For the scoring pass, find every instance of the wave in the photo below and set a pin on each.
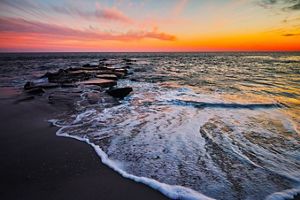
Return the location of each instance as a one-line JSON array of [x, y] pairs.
[[226, 105], [171, 191]]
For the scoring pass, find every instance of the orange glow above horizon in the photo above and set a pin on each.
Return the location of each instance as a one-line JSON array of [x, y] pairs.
[[180, 30]]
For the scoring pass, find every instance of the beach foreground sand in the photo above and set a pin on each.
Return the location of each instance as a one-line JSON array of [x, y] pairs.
[[37, 164]]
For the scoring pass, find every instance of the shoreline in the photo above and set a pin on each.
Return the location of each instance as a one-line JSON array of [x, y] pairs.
[[40, 165]]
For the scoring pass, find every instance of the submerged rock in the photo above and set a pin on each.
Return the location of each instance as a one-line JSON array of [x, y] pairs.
[[119, 92], [93, 97], [30, 85], [36, 90]]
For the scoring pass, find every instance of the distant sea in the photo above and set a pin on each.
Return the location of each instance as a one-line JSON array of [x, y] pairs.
[[197, 125]]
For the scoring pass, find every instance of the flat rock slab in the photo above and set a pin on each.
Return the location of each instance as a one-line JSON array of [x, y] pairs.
[[100, 82], [107, 76]]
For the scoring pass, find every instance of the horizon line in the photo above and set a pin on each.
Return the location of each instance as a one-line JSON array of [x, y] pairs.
[[237, 51]]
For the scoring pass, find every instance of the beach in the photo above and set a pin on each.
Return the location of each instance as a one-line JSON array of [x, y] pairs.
[[37, 164]]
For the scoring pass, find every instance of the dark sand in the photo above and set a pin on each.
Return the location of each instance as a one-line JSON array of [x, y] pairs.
[[37, 164]]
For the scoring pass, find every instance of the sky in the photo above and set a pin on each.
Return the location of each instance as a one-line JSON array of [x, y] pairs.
[[149, 25]]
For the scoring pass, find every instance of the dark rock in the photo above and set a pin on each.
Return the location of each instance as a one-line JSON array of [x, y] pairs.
[[48, 85], [67, 76], [67, 85], [119, 92], [89, 66], [28, 85], [134, 79], [103, 60], [127, 59], [86, 65], [31, 85], [35, 90]]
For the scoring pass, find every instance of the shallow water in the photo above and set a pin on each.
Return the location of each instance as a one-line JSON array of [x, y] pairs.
[[226, 125]]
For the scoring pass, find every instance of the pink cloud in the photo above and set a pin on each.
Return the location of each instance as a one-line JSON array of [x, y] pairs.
[[110, 14], [22, 26]]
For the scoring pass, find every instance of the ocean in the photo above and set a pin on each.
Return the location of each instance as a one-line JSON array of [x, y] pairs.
[[196, 126]]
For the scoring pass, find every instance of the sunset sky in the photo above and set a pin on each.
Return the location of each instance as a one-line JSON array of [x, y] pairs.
[[149, 25]]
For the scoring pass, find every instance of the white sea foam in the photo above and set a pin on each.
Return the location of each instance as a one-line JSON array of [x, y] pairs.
[[171, 191], [152, 141]]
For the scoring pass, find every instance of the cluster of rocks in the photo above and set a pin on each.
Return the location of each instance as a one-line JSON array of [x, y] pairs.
[[68, 85]]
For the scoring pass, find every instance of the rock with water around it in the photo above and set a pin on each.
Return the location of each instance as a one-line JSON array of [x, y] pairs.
[[119, 92], [100, 82], [67, 76]]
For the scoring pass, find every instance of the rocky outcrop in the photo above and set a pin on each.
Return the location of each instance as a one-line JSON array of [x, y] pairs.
[[86, 84]]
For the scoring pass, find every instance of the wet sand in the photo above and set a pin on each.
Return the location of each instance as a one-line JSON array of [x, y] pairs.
[[37, 164]]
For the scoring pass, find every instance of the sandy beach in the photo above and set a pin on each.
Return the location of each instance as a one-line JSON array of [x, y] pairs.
[[37, 164]]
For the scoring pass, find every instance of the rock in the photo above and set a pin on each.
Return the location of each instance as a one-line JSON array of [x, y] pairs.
[[103, 59], [100, 82], [119, 74], [119, 92], [35, 90], [67, 76], [48, 85], [67, 85], [121, 70], [93, 98], [89, 66], [31, 85], [28, 85], [64, 99], [127, 59], [107, 76], [134, 79], [86, 65]]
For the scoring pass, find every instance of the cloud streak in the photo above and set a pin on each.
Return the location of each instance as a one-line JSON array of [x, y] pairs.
[[110, 14], [31, 27]]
